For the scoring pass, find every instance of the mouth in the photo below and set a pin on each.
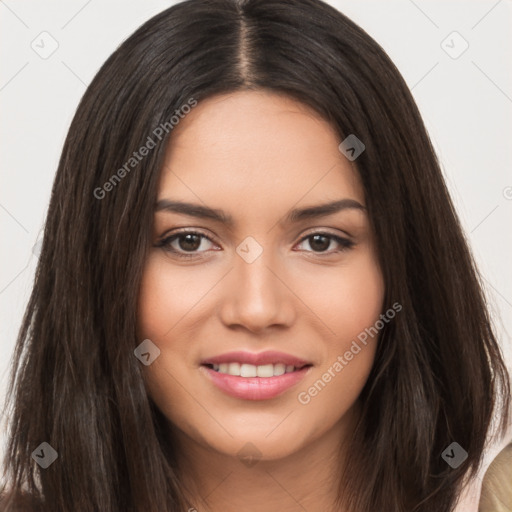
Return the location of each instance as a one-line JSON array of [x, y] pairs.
[[250, 376], [245, 370]]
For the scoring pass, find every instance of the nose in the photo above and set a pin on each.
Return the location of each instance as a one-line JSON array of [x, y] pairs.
[[257, 296]]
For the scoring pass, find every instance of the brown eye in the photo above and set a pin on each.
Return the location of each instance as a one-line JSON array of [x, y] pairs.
[[189, 241], [320, 242], [184, 244]]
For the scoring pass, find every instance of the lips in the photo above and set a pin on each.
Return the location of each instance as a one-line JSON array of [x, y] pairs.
[[260, 377], [259, 359]]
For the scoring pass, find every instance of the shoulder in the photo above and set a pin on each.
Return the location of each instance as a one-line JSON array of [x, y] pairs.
[[492, 480], [496, 489]]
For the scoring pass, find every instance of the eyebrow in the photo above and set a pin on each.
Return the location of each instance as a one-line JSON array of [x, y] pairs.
[[296, 215]]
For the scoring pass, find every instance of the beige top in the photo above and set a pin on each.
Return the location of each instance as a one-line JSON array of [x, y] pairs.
[[494, 491]]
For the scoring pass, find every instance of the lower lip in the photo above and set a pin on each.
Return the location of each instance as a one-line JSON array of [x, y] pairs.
[[255, 388]]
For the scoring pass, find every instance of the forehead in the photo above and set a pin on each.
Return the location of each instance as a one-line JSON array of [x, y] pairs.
[[256, 150]]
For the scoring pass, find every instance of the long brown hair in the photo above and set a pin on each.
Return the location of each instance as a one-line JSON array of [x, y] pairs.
[[75, 383]]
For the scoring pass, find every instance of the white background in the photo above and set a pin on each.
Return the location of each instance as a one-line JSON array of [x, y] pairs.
[[466, 104]]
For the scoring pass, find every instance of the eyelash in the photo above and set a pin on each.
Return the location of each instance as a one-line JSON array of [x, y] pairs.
[[165, 243]]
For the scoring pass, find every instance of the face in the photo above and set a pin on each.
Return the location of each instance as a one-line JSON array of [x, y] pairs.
[[251, 283]]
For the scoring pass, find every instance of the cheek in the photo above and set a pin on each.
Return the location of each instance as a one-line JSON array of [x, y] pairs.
[[360, 307], [168, 299], [361, 300], [351, 304], [154, 308], [165, 298], [347, 299]]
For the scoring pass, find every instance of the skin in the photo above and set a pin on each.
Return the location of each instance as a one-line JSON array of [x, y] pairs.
[[257, 155]]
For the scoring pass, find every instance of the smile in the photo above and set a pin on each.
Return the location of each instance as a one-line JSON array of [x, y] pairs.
[[254, 376], [250, 370]]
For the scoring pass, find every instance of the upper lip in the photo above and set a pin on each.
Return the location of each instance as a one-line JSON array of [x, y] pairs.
[[261, 358]]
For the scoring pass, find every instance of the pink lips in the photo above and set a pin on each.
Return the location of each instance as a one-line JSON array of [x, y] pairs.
[[268, 357], [256, 388]]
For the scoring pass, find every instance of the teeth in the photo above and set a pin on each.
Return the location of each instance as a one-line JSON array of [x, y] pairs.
[[250, 370], [279, 369], [269, 370], [233, 369]]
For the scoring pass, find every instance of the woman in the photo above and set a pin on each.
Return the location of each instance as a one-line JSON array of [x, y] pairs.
[[253, 291]]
